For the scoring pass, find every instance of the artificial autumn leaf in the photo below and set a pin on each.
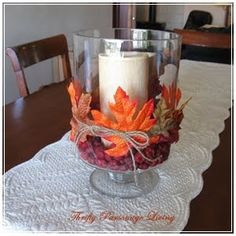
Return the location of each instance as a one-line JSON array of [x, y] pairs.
[[74, 91], [154, 139], [71, 92], [123, 111], [160, 114], [168, 115], [120, 149], [171, 96], [80, 109], [143, 121]]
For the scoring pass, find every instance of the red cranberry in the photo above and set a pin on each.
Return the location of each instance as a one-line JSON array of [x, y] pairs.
[[98, 149], [128, 160], [130, 166], [138, 158], [158, 152], [143, 166], [101, 163], [100, 155], [119, 158], [83, 146], [122, 161], [113, 163], [123, 168], [149, 152], [89, 149], [107, 157], [91, 160], [99, 152], [165, 149]]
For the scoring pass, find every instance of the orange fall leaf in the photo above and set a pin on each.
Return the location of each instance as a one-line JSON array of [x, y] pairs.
[[123, 111], [80, 107], [171, 95]]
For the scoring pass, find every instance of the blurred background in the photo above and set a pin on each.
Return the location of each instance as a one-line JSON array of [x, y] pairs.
[[25, 23]]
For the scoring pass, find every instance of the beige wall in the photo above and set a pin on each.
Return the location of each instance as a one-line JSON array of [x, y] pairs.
[[24, 23], [172, 15]]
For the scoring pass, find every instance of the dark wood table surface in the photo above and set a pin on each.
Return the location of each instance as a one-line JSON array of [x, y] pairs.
[[43, 118]]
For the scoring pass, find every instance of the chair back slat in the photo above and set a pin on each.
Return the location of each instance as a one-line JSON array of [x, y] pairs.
[[205, 39], [25, 55]]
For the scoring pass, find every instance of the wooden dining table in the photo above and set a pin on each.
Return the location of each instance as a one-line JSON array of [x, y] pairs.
[[42, 118]]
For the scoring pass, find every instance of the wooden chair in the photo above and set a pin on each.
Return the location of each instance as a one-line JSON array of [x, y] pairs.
[[205, 39], [28, 54]]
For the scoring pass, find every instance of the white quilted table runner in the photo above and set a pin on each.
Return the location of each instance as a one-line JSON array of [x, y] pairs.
[[42, 194]]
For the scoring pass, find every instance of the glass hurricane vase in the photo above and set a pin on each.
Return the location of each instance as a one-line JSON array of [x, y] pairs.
[[127, 115]]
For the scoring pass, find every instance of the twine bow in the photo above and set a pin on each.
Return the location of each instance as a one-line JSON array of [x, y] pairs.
[[128, 137]]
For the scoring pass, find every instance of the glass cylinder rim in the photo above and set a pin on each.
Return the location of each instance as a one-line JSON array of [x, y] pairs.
[[81, 33]]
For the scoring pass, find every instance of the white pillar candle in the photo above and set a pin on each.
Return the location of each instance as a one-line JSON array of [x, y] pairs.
[[130, 71]]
